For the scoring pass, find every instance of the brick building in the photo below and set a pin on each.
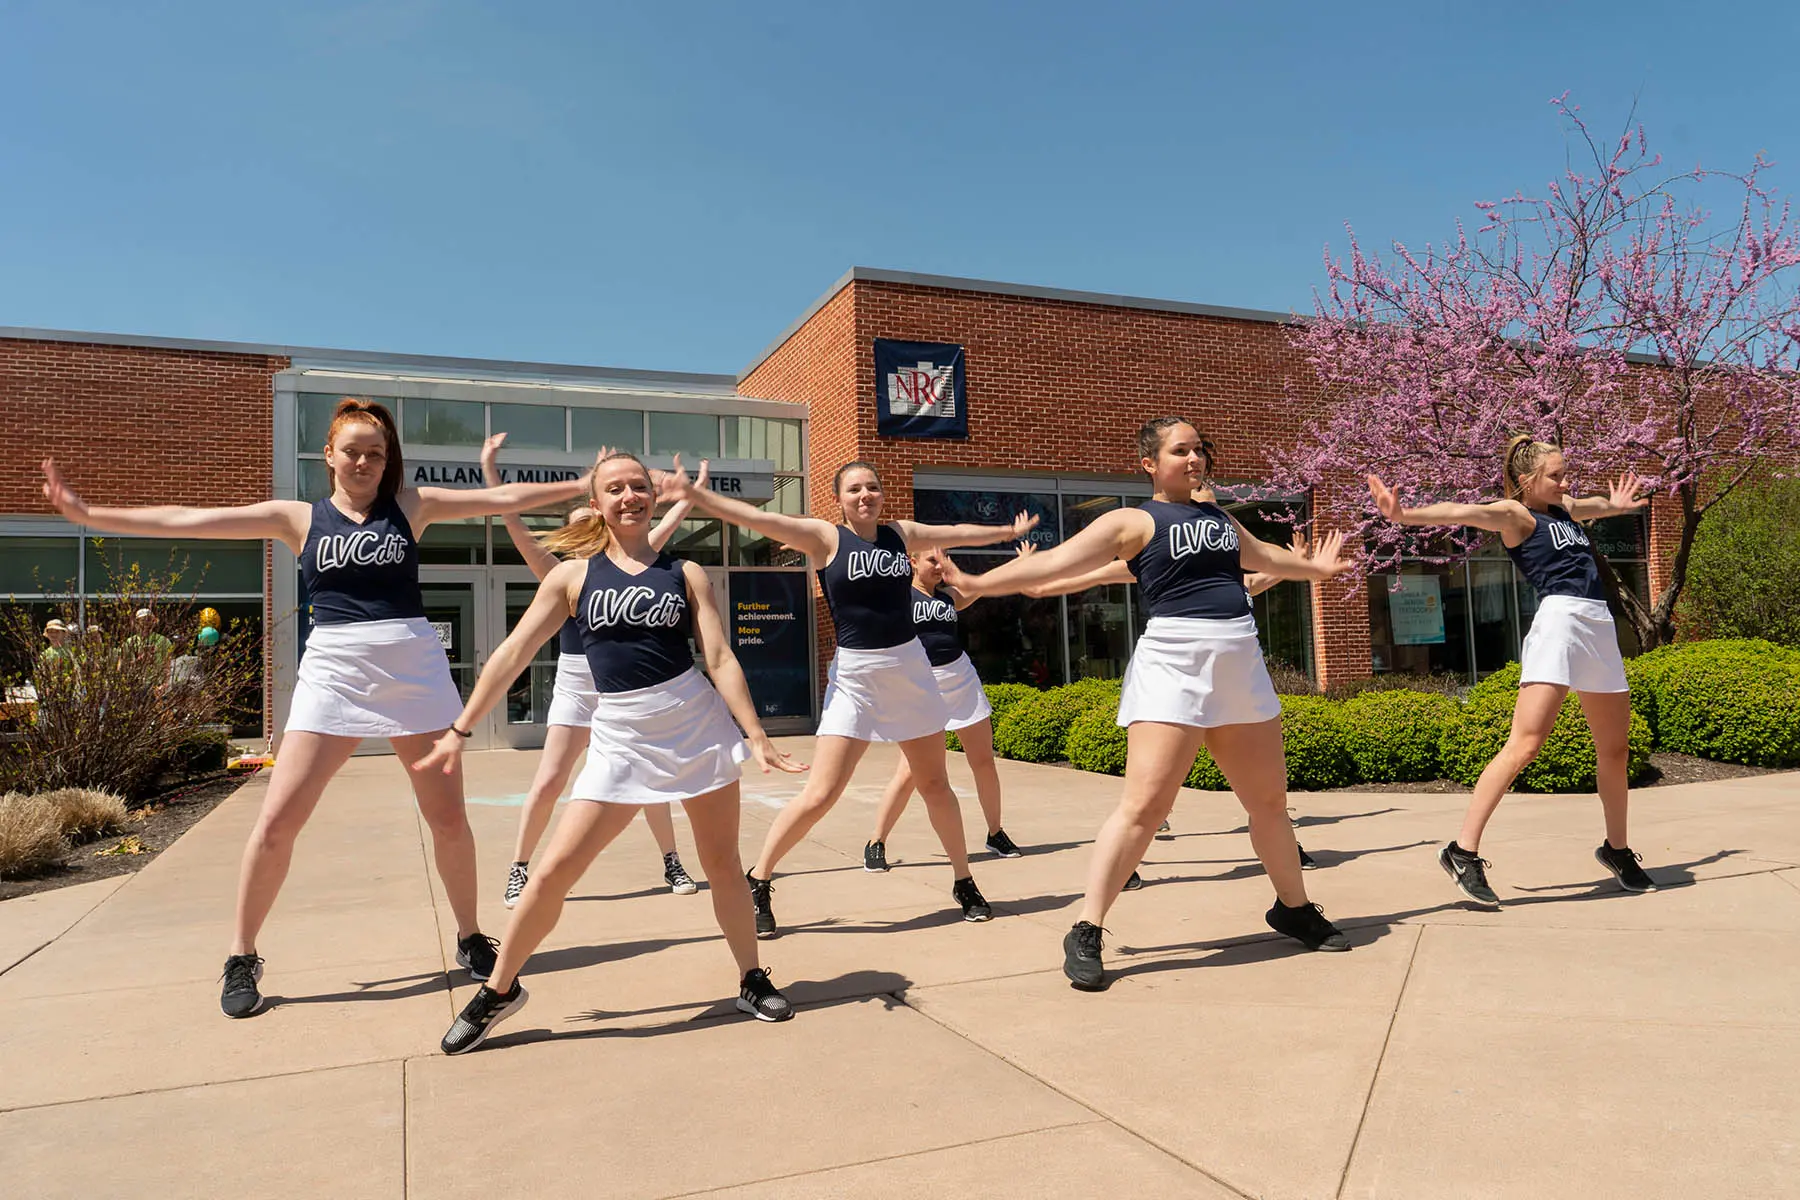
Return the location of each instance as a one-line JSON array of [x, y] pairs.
[[1057, 384]]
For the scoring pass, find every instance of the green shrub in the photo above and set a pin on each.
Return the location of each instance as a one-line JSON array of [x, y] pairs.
[[1437, 685], [1565, 764], [1290, 680], [1503, 683], [1743, 575], [1205, 774], [1034, 730], [1651, 672], [1393, 735], [1095, 741], [1315, 738], [1001, 696], [1731, 706]]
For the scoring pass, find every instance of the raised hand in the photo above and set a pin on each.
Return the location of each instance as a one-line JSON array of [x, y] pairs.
[[672, 486], [701, 479], [954, 576], [1385, 500], [490, 459], [445, 754], [1627, 493], [61, 496], [1023, 524], [1025, 549], [771, 757], [1327, 554]]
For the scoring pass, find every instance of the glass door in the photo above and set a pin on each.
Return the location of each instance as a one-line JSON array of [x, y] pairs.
[[519, 720], [456, 605]]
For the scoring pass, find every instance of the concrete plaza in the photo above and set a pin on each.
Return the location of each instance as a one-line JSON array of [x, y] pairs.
[[1581, 1042]]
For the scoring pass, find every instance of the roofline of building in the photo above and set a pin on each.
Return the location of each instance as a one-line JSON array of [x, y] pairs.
[[318, 356], [992, 287]]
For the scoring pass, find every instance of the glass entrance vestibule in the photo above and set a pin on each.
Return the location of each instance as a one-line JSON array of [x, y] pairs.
[[475, 582]]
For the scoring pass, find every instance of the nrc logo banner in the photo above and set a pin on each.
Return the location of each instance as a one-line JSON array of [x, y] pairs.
[[920, 390]]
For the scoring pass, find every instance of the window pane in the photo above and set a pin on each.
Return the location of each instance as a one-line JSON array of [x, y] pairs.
[[1418, 621], [1099, 642], [752, 549], [1269, 522], [702, 540], [200, 566], [505, 553], [442, 423], [528, 426], [1490, 601], [528, 697], [1618, 537], [30, 565], [1284, 622], [314, 480], [459, 542], [989, 508], [1078, 512], [615, 428], [776, 439], [1012, 639], [692, 434], [314, 410]]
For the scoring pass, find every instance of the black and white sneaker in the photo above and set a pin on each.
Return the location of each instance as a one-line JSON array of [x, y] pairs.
[[676, 876], [1081, 956], [239, 997], [1624, 866], [1307, 925], [1468, 871], [1307, 861], [974, 906], [516, 878], [1164, 827], [1002, 845], [1134, 883], [480, 1016], [875, 856], [761, 905], [476, 954], [761, 998]]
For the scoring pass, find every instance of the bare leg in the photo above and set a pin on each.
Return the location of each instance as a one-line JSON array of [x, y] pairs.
[[564, 746], [1533, 717], [926, 757], [585, 830], [440, 799], [1251, 759], [978, 749], [1158, 758], [714, 819], [306, 764], [834, 761], [662, 826], [1609, 720], [893, 800]]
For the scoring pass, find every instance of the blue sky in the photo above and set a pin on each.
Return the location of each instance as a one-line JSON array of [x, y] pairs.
[[667, 185]]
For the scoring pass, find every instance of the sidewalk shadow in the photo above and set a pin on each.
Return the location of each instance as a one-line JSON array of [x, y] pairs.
[[640, 894], [422, 984], [1250, 868], [1666, 876]]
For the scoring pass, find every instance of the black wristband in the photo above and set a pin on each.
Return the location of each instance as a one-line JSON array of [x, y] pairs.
[[462, 733]]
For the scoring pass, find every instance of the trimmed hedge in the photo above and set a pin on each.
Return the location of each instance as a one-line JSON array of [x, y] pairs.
[[1394, 735], [1034, 730], [1315, 738], [1732, 706], [1095, 741], [1001, 696], [1565, 764]]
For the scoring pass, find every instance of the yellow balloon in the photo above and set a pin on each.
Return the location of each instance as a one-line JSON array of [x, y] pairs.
[[209, 618]]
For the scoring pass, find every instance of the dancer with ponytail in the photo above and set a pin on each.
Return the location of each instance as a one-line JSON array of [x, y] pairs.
[[373, 668], [934, 612], [1572, 644], [572, 703], [661, 733], [881, 686], [1196, 678]]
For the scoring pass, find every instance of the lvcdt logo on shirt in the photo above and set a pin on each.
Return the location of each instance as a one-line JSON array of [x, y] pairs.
[[1196, 537], [364, 548], [640, 606], [932, 611], [1564, 534], [867, 564]]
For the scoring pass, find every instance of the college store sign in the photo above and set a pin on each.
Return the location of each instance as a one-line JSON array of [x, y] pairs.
[[921, 390], [740, 478]]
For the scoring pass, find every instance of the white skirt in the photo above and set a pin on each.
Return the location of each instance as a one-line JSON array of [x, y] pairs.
[[572, 700], [963, 694], [673, 741], [882, 695], [1573, 642], [1198, 671], [374, 679]]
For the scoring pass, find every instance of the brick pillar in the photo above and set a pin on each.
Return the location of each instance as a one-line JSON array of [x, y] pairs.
[[1340, 630]]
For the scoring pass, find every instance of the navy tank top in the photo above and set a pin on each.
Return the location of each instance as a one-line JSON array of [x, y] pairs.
[[868, 588], [934, 620], [1557, 559], [568, 638], [1189, 567], [634, 628], [366, 572]]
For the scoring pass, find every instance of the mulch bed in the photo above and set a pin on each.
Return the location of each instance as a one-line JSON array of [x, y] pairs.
[[156, 824]]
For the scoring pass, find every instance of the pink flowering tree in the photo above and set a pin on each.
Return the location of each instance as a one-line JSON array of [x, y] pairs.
[[1614, 315]]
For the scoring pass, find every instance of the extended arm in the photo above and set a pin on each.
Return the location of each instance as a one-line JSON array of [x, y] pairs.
[[947, 537], [1625, 496], [1118, 534], [727, 675], [284, 521], [1503, 517], [809, 535], [540, 560], [1113, 572], [1260, 558]]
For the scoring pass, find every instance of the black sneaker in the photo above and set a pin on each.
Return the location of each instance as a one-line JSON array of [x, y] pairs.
[[1164, 827], [1081, 956], [875, 856], [676, 876], [1002, 845], [1624, 866], [476, 954], [1134, 883], [761, 999], [239, 997], [1306, 925], [974, 906], [1468, 872], [1307, 861], [759, 903], [480, 1015], [516, 879]]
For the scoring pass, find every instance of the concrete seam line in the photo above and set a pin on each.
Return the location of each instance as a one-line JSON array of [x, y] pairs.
[[1076, 1100], [204, 1083], [437, 922], [1380, 1060]]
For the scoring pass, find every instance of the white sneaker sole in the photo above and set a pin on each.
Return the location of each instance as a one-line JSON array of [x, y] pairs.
[[1492, 905], [744, 1006], [1623, 886], [510, 901], [504, 1014], [684, 889], [462, 960], [257, 1007]]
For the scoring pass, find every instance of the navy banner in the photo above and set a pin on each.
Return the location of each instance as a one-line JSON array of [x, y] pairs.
[[772, 637], [920, 390]]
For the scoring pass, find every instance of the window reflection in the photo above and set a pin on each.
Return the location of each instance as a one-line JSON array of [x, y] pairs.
[[1012, 639]]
